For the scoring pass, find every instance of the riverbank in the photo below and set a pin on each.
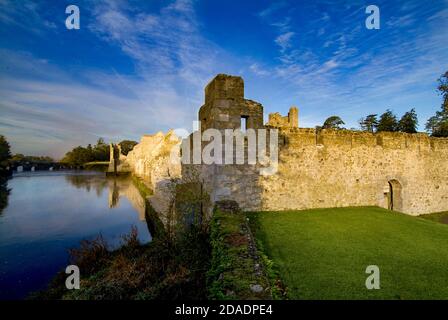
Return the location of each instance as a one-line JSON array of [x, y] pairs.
[[170, 267], [4, 192], [192, 264], [165, 269]]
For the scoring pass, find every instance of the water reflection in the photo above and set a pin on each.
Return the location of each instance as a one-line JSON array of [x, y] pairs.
[[118, 187], [129, 190], [88, 182], [47, 213]]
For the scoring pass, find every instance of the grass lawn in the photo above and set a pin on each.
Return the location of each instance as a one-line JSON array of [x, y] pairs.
[[323, 253]]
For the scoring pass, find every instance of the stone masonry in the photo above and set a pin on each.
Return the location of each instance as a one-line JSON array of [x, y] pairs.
[[316, 169], [277, 120], [325, 168]]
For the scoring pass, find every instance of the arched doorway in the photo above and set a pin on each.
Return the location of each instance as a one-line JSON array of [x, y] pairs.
[[394, 197]]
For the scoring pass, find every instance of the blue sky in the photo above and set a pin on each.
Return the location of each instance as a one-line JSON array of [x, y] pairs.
[[137, 67]]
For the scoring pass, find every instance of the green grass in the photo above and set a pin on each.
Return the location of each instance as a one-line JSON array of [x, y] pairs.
[[96, 165], [323, 253], [104, 163]]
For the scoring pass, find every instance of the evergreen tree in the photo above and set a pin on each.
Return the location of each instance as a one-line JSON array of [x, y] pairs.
[[369, 123], [443, 90], [409, 122], [388, 122], [437, 125]]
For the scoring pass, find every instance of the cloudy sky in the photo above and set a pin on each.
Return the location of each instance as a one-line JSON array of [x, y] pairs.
[[137, 67]]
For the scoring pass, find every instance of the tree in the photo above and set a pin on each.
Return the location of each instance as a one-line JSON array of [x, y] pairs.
[[18, 157], [443, 90], [369, 123], [81, 155], [127, 145], [388, 122], [5, 152], [78, 156], [409, 122], [101, 151], [432, 125], [333, 122], [100, 142], [437, 125]]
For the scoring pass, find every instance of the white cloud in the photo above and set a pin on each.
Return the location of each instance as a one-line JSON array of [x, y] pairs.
[[284, 40], [25, 14], [71, 113], [402, 21], [164, 44], [353, 73], [46, 109], [257, 70], [271, 9], [329, 65]]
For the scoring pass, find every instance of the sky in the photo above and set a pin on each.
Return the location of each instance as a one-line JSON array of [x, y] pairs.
[[139, 67]]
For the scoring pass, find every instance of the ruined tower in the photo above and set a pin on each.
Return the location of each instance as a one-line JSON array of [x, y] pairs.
[[293, 117], [226, 108], [289, 121]]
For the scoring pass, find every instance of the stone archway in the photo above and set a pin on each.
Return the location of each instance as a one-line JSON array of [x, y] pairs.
[[394, 196]]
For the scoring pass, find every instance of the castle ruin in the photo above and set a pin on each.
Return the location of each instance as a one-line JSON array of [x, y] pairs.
[[318, 168]]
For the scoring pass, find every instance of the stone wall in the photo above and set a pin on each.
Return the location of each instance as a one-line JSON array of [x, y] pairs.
[[152, 159], [326, 168], [291, 120], [316, 169], [334, 168], [117, 160], [240, 183]]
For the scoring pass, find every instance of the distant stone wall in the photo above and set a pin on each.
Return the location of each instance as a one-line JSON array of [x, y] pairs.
[[291, 120], [117, 160], [156, 160], [151, 159]]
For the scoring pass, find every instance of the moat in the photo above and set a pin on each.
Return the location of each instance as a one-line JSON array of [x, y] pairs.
[[50, 212]]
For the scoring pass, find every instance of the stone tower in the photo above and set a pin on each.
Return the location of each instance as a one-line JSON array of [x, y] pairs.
[[293, 117], [289, 121], [225, 106]]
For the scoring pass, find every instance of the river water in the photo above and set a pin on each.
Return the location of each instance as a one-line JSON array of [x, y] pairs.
[[47, 213]]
